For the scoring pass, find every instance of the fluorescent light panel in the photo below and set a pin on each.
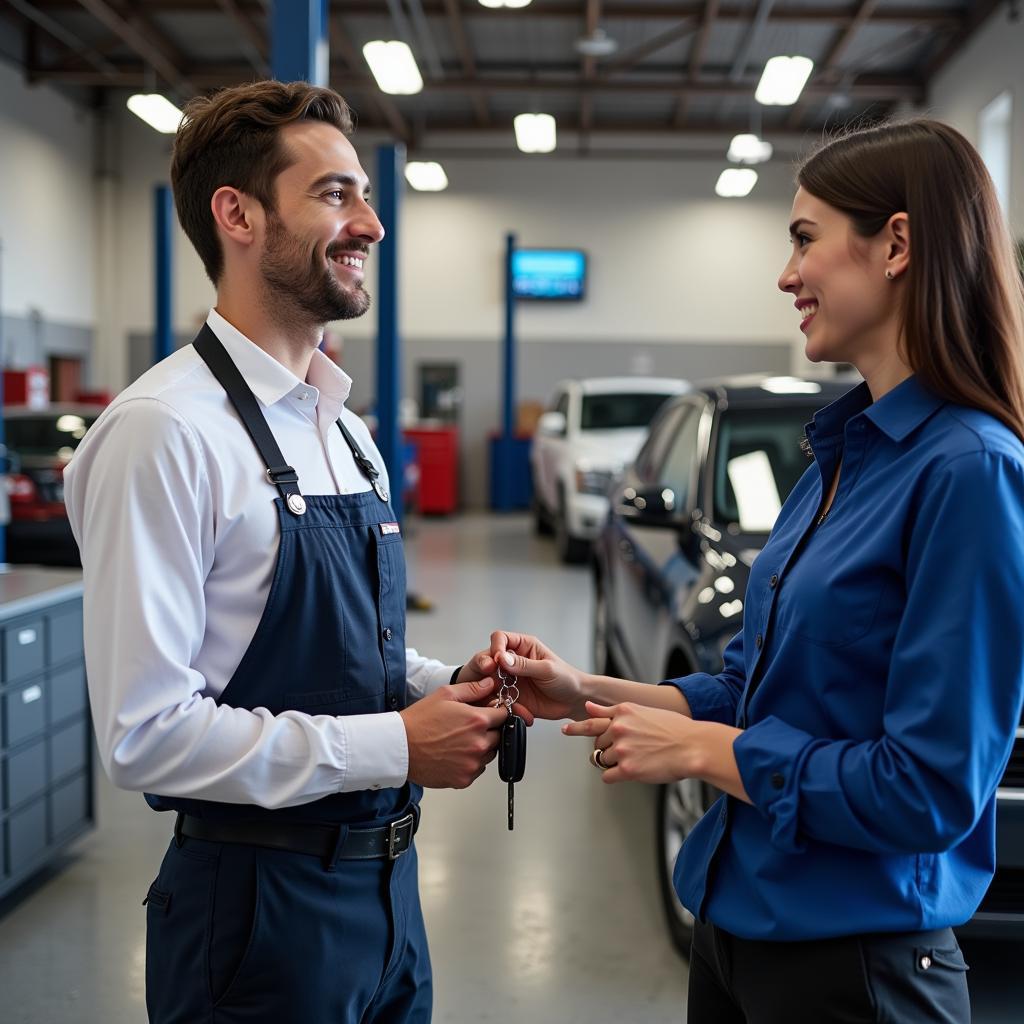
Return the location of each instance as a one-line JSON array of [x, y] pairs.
[[156, 110], [783, 80], [504, 3], [394, 67], [749, 149], [535, 133], [736, 182], [426, 176]]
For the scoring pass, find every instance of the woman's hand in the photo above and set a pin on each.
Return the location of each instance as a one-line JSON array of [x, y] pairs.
[[549, 687], [642, 744]]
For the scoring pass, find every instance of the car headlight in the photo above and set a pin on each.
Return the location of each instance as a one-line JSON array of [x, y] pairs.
[[591, 479]]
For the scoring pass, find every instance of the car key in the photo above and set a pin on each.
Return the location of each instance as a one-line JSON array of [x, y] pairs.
[[512, 743]]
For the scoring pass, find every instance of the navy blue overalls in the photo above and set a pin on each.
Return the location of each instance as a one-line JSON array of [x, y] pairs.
[[248, 929]]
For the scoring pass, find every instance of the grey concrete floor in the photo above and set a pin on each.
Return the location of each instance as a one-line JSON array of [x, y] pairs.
[[555, 923]]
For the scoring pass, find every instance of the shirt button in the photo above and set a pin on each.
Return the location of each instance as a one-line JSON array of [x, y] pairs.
[[778, 780], [393, 702], [759, 641], [387, 633], [774, 581]]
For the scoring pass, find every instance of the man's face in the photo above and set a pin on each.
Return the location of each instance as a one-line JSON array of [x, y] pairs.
[[320, 235]]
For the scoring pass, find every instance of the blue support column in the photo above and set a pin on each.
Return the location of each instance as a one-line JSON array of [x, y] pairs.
[[389, 185], [504, 461], [298, 49], [164, 234]]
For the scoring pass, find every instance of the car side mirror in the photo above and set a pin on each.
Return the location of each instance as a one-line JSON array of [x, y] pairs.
[[652, 506], [552, 424]]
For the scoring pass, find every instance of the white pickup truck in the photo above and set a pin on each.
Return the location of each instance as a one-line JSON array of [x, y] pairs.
[[593, 429]]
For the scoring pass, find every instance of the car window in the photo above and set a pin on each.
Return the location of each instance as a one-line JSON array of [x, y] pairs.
[[618, 411], [682, 457], [663, 428], [758, 461], [46, 434]]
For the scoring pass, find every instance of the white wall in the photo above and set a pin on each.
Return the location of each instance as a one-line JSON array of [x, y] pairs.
[[46, 204], [991, 63]]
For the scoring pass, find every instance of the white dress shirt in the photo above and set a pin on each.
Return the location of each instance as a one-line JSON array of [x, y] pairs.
[[174, 515]]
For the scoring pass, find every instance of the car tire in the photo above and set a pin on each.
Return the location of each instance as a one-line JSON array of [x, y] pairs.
[[604, 660], [541, 520], [680, 806], [571, 550]]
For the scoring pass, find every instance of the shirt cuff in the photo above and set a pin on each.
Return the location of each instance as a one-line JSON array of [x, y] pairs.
[[377, 751], [709, 699], [770, 757]]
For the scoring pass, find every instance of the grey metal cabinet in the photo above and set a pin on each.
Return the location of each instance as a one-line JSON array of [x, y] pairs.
[[46, 750]]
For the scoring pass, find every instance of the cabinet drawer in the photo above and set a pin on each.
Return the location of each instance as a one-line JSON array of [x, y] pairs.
[[69, 805], [24, 712], [64, 631], [25, 774], [24, 652], [26, 836], [69, 749], [67, 692]]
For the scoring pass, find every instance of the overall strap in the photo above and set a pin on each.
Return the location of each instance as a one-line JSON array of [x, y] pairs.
[[368, 469], [281, 475]]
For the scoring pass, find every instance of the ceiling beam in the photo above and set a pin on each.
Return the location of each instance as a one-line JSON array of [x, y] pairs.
[[569, 10], [653, 45], [978, 14], [592, 15], [707, 21], [865, 87], [254, 39], [359, 79], [137, 38], [465, 52], [827, 70]]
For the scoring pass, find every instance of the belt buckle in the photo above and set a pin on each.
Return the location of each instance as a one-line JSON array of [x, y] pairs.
[[392, 840]]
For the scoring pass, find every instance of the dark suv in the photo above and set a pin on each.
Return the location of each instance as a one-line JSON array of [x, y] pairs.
[[686, 522]]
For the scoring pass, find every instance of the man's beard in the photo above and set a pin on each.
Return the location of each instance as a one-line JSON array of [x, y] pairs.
[[308, 289]]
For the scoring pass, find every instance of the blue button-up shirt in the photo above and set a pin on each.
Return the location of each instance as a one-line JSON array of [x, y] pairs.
[[878, 677]]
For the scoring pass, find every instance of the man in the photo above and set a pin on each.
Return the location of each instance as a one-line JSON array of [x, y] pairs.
[[245, 604]]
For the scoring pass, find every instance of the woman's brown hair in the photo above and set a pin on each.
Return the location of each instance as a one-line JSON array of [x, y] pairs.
[[232, 138], [963, 319]]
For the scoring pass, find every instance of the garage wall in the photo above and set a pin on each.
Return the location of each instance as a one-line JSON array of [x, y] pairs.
[[47, 227], [990, 64]]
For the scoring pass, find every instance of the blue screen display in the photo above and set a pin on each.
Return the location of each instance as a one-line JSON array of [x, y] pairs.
[[549, 273]]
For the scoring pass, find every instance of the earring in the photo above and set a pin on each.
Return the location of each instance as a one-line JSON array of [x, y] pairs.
[[889, 275]]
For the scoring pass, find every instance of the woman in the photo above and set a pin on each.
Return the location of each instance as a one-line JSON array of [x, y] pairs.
[[867, 709]]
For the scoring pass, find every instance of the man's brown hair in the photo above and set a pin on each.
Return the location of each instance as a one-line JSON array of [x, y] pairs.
[[233, 138]]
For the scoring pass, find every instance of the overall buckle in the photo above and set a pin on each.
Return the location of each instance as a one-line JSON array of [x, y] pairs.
[[406, 822]]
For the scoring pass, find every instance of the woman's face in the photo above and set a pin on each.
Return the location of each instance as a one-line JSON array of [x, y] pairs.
[[848, 308]]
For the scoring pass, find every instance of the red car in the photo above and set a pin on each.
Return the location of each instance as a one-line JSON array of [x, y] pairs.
[[40, 443]]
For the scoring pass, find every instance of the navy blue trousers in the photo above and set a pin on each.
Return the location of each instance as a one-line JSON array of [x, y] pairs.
[[239, 933], [905, 978]]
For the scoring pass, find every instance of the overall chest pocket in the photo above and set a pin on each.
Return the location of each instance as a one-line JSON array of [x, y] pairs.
[[830, 599], [390, 562]]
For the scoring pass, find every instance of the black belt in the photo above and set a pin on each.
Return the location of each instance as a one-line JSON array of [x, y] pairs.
[[330, 843]]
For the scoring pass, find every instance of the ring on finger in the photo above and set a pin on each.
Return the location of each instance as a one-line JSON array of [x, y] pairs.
[[595, 759]]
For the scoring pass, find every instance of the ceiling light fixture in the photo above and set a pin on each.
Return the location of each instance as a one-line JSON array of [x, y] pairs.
[[426, 176], [749, 149], [156, 110], [736, 182], [597, 44], [535, 133], [394, 67], [504, 3], [783, 80]]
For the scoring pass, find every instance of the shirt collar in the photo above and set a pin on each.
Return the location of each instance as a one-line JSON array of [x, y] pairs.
[[897, 413], [269, 380]]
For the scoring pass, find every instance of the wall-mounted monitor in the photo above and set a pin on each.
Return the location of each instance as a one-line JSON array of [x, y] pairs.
[[549, 274]]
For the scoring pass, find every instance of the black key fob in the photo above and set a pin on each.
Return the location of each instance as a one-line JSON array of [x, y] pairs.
[[512, 750]]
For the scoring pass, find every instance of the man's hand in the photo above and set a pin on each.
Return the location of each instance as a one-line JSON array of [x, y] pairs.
[[549, 687], [450, 741]]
